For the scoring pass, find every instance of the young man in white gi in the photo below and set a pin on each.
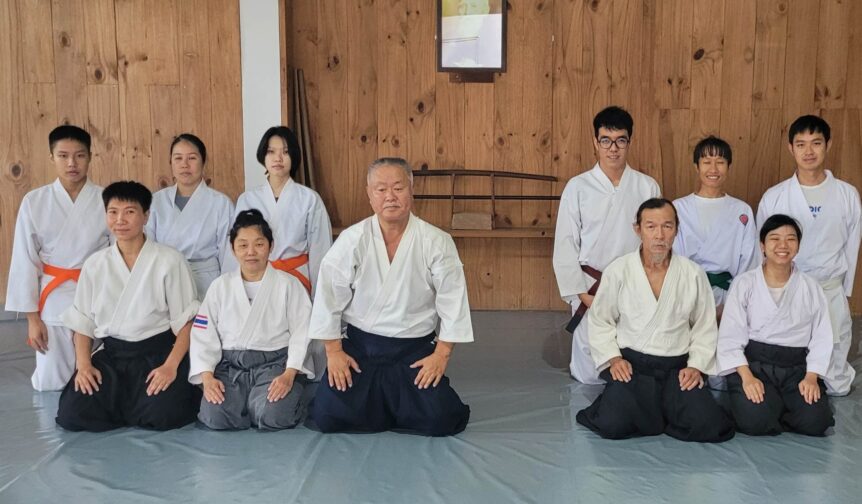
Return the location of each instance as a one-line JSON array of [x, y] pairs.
[[392, 278], [59, 225], [830, 215], [716, 230], [594, 227]]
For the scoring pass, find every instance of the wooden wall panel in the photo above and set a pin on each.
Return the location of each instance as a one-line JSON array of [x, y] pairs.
[[800, 70], [195, 74], [769, 53], [134, 73], [137, 71], [736, 87], [227, 164], [854, 56], [832, 47], [101, 42], [70, 61], [707, 49], [104, 127], [332, 64], [672, 65], [361, 102], [38, 118], [17, 169], [741, 69], [36, 38]]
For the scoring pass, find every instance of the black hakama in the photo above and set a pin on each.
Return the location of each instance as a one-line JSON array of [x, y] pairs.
[[783, 407], [383, 396], [652, 403], [122, 398]]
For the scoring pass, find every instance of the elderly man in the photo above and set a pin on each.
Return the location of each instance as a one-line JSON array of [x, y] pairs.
[[392, 278], [653, 336]]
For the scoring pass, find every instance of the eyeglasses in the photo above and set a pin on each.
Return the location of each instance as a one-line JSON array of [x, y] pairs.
[[622, 143]]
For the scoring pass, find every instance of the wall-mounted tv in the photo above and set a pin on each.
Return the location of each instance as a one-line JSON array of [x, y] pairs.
[[471, 35]]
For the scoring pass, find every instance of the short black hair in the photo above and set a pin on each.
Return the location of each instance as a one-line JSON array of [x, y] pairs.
[[713, 146], [613, 118], [294, 151], [192, 139], [653, 204], [776, 221], [69, 132], [250, 218], [809, 124], [128, 190]]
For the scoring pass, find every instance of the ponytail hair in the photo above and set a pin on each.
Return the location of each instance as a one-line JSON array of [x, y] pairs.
[[250, 218]]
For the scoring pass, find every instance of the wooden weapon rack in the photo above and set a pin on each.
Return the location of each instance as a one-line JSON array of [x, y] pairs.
[[487, 229]]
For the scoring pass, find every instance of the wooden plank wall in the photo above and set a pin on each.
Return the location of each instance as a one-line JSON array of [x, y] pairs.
[[134, 73], [742, 69]]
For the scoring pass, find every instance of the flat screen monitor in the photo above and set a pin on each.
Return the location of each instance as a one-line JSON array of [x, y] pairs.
[[471, 35]]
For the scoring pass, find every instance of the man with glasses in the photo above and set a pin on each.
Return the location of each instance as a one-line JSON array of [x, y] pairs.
[[594, 227]]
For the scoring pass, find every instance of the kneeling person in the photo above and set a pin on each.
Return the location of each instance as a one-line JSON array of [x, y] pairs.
[[775, 341], [250, 339], [653, 336], [137, 298], [391, 278]]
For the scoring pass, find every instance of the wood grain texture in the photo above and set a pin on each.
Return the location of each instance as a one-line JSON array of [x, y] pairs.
[[131, 67], [331, 62], [134, 73], [36, 38], [741, 69]]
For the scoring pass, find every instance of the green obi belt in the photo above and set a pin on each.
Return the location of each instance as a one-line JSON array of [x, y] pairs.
[[720, 280]]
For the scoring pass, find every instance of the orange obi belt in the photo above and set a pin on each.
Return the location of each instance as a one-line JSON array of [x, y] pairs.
[[290, 265], [61, 276]]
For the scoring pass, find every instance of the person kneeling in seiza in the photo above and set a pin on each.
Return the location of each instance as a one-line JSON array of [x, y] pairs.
[[653, 336], [392, 278], [137, 298], [250, 339], [775, 341]]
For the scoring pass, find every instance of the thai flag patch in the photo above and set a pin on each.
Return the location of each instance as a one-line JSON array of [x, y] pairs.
[[200, 322]]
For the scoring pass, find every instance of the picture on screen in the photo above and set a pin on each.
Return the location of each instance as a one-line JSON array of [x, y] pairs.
[[471, 35]]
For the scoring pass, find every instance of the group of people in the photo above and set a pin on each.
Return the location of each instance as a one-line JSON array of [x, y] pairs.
[[202, 310], [245, 316], [673, 298]]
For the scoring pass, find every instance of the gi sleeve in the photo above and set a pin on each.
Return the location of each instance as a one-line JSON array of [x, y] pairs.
[[450, 285], [81, 315], [603, 317], [704, 333], [25, 271], [749, 254], [854, 235], [733, 333], [567, 247], [820, 345], [225, 253], [319, 232], [205, 349], [181, 294], [298, 312], [334, 290]]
